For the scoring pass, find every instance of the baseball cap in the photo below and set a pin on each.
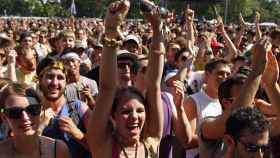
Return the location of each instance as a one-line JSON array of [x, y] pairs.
[[133, 38]]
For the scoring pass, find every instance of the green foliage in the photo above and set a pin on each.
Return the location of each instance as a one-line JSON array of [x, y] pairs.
[[269, 9]]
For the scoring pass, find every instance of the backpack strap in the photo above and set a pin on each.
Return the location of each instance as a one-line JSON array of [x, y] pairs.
[[73, 111]]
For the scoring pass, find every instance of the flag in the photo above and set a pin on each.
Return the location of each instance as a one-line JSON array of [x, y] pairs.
[[73, 10]]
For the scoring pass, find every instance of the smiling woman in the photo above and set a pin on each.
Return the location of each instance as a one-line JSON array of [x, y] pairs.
[[21, 110]]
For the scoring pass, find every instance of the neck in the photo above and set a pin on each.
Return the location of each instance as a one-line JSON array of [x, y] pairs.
[[124, 83], [32, 141], [211, 92], [72, 78], [55, 105]]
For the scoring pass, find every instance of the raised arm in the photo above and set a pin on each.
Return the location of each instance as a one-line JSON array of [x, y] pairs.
[[269, 81], [232, 49], [98, 133], [181, 124], [240, 33], [154, 74], [214, 129], [257, 25], [190, 27]]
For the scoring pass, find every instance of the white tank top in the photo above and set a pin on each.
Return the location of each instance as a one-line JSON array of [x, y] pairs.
[[205, 107]]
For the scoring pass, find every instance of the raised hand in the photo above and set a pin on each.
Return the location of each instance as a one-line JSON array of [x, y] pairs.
[[271, 72], [177, 91], [189, 14], [242, 21], [115, 15], [154, 16], [257, 18], [220, 24], [259, 55]]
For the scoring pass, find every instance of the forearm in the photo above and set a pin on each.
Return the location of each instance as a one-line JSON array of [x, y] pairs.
[[273, 92], [182, 127], [190, 35], [154, 74], [238, 38], [230, 45], [249, 90], [12, 72], [258, 31]]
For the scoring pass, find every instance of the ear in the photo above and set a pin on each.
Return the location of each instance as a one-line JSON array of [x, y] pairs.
[[230, 145]]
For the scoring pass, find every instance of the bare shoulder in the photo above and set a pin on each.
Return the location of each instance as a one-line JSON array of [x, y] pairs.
[[61, 148], [62, 151]]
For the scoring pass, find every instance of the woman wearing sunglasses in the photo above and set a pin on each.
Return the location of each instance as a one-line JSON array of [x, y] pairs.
[[21, 109]]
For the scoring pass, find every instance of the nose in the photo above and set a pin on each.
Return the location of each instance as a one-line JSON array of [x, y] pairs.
[[133, 115], [54, 81], [24, 115], [259, 154]]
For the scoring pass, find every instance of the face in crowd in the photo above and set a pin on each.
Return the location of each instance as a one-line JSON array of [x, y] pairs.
[[129, 115], [21, 109], [216, 73], [247, 133], [52, 84], [125, 67], [27, 60], [132, 46]]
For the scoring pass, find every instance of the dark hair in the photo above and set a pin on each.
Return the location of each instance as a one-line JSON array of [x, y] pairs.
[[212, 64], [239, 58], [226, 86], [246, 119], [19, 89], [275, 34], [48, 61], [127, 92], [25, 34]]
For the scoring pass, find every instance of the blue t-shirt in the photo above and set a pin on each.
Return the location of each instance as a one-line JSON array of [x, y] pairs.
[[75, 148]]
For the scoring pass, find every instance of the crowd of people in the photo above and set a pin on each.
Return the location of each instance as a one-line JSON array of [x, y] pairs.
[[117, 88]]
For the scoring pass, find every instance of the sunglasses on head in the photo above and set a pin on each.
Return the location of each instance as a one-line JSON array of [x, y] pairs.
[[123, 65], [16, 112], [252, 148]]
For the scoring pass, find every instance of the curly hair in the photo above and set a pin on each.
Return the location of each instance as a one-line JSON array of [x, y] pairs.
[[246, 119]]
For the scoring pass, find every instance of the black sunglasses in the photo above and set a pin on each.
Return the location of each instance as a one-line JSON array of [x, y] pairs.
[[16, 112], [184, 58], [252, 148], [123, 65]]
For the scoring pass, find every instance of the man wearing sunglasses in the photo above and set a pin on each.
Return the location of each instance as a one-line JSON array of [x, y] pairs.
[[127, 68], [246, 134]]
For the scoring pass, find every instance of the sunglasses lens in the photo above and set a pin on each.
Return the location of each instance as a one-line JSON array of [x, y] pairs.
[[14, 113], [144, 69], [254, 148], [34, 110], [123, 65], [184, 58]]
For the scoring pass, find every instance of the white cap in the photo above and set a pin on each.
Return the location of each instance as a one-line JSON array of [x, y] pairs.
[[133, 38]]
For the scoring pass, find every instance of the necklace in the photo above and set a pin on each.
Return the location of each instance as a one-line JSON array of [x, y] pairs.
[[125, 154], [14, 150]]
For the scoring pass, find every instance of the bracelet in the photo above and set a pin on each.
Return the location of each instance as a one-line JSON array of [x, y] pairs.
[[111, 42]]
